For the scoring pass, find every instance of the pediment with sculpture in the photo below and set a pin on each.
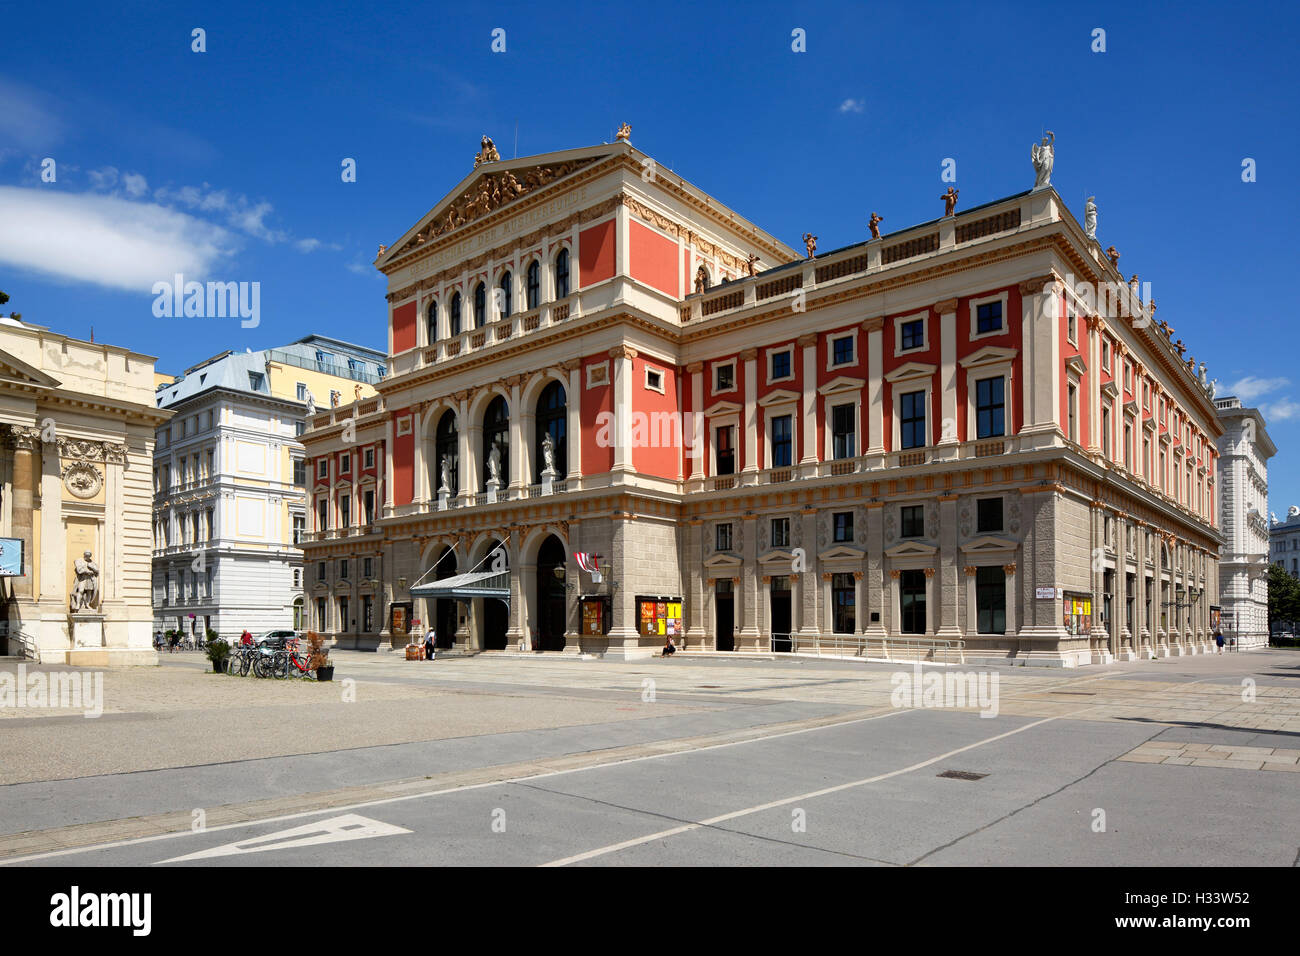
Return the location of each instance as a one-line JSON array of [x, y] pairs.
[[488, 193]]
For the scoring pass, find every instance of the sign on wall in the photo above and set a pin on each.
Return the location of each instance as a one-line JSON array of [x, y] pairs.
[[11, 557], [659, 617]]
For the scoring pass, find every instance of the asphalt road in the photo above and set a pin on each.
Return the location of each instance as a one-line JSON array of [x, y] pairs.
[[751, 779]]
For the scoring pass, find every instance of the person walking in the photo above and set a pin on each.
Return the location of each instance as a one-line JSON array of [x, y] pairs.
[[431, 644], [1218, 639]]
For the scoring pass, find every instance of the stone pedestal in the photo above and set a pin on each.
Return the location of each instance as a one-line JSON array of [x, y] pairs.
[[492, 486], [442, 499]]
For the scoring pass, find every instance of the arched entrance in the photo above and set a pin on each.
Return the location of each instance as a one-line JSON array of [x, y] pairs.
[[551, 580], [496, 431], [446, 611], [496, 614]]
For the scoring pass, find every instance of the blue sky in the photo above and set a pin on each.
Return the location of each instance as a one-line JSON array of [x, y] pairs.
[[227, 163]]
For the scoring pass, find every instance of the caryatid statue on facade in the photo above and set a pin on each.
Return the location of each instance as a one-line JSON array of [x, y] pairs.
[[1043, 155], [1090, 218], [494, 463], [85, 593], [444, 478]]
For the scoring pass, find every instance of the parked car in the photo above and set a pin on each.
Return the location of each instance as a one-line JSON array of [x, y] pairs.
[[276, 638]]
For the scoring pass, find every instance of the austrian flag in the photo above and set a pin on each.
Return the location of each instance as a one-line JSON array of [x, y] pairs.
[[589, 563]]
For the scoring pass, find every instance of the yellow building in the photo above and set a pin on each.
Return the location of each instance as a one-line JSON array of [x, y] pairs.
[[229, 482], [79, 421]]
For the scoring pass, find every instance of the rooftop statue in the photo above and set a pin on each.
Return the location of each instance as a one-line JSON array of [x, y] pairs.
[[1090, 218], [949, 201], [1043, 156], [874, 224], [487, 152], [624, 133], [810, 243]]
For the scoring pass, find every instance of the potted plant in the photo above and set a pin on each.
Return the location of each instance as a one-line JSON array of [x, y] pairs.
[[218, 653], [319, 658]]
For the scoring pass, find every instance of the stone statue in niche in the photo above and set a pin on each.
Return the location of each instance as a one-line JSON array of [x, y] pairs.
[[494, 463], [548, 456], [444, 478], [85, 593]]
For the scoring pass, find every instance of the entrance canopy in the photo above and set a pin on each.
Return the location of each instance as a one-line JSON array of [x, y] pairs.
[[476, 584]]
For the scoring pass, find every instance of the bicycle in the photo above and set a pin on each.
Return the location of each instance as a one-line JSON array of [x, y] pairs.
[[292, 663]]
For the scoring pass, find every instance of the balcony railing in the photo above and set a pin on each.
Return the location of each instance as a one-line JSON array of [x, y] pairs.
[[501, 330]]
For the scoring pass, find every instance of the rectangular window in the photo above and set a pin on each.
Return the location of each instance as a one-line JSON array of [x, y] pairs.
[[780, 532], [913, 334], [725, 452], [990, 600], [370, 458], [299, 528], [843, 431], [844, 603], [302, 391], [320, 571], [343, 614], [297, 577], [255, 380], [367, 613], [1105, 433], [367, 568], [343, 569], [911, 521], [345, 511], [782, 441], [724, 377], [368, 507], [911, 423], [1105, 356], [345, 464], [988, 318], [842, 522], [1128, 447], [988, 515], [842, 350], [322, 468], [781, 364], [299, 472], [322, 514], [1072, 327], [299, 428], [722, 537], [990, 408]]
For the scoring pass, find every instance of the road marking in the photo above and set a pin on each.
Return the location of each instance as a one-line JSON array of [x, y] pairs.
[[114, 844], [350, 826], [812, 794]]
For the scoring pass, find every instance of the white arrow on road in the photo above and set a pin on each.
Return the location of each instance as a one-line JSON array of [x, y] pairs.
[[350, 826]]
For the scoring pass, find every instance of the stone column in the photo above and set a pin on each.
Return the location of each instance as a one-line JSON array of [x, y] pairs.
[[1121, 581], [621, 358], [809, 452], [1012, 595], [1142, 625], [518, 458], [875, 437], [1041, 361], [25, 442], [699, 440], [946, 446], [875, 570], [972, 611], [750, 358], [948, 571], [696, 629], [808, 590], [748, 579], [573, 424]]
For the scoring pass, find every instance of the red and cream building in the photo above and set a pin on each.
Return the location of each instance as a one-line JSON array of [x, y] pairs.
[[941, 434]]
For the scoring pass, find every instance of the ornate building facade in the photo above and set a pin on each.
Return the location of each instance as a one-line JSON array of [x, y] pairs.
[[939, 434], [79, 418], [1244, 451], [230, 505]]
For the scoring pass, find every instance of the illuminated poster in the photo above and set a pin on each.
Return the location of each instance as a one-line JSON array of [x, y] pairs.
[[593, 617], [660, 618]]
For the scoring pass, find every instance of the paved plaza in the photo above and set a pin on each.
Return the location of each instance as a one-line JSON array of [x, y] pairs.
[[517, 760]]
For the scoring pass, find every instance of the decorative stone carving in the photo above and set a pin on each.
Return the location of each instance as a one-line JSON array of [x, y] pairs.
[[950, 201], [24, 437], [1043, 156], [751, 264], [624, 134], [1113, 255], [874, 224], [83, 479]]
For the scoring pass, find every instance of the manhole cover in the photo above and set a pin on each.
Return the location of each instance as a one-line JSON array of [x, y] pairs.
[[962, 775]]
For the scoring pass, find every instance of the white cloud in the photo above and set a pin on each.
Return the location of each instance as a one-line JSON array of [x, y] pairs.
[[135, 185], [106, 240], [240, 212], [1250, 388], [852, 106], [1283, 410]]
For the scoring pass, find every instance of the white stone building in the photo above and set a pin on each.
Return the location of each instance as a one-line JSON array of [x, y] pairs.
[[1244, 451], [1284, 542], [229, 498]]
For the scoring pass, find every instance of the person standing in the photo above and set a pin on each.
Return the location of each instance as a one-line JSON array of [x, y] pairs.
[[430, 644]]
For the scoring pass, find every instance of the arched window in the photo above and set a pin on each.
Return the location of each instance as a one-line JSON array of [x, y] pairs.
[[455, 314], [431, 321], [507, 295], [562, 274], [552, 419], [480, 305], [534, 284], [446, 448], [496, 430]]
